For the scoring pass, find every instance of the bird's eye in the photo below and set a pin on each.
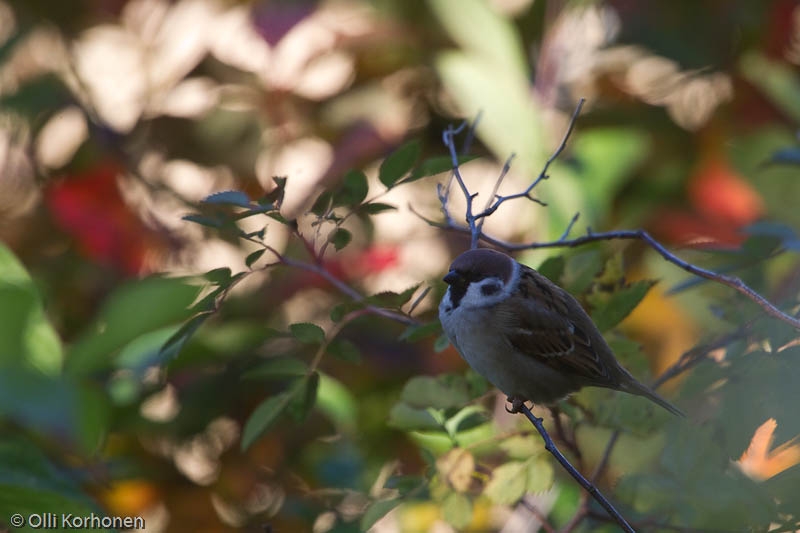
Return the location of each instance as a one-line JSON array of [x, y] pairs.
[[487, 289]]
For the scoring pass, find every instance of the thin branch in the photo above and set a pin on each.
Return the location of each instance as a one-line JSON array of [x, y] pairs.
[[580, 514], [561, 434], [601, 466], [653, 524], [345, 289], [448, 137], [572, 222], [693, 356], [730, 281], [550, 446], [543, 175], [466, 147], [493, 195], [544, 523]]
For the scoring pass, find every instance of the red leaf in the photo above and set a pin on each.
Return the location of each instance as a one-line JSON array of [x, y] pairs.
[[89, 208]]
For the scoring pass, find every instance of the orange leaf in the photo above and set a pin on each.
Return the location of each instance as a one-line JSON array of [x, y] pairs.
[[719, 193], [759, 463]]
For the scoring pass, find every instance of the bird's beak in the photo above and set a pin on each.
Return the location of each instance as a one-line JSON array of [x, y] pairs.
[[452, 277]]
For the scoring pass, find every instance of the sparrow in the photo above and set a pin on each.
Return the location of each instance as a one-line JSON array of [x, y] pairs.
[[529, 337]]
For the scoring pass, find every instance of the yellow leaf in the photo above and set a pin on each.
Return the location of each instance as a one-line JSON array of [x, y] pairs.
[[457, 467]]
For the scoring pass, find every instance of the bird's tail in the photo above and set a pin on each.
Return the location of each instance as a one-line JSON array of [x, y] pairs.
[[634, 387]]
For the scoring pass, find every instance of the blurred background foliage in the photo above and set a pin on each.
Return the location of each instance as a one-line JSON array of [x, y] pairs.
[[156, 365]]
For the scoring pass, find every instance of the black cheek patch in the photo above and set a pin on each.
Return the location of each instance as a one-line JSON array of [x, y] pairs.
[[490, 289], [457, 292]]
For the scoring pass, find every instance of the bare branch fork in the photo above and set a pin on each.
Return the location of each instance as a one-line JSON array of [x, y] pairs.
[[475, 220]]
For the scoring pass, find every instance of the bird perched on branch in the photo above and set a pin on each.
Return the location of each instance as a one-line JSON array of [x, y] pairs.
[[529, 337]]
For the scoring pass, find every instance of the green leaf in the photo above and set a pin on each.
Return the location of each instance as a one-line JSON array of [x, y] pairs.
[[407, 484], [457, 510], [263, 417], [133, 309], [421, 331], [219, 276], [340, 238], [204, 220], [345, 350], [307, 333], [607, 156], [403, 416], [237, 198], [393, 300], [253, 257], [353, 190], [508, 483], [25, 333], [777, 79], [539, 476], [581, 270], [441, 343], [489, 74], [521, 446], [277, 368], [376, 511], [373, 208], [335, 401], [323, 204], [173, 346], [340, 310], [230, 197], [31, 483], [259, 234], [278, 217], [304, 397], [552, 268], [621, 303], [59, 407], [398, 163], [439, 393], [436, 165], [275, 196], [465, 419], [498, 41], [145, 351]]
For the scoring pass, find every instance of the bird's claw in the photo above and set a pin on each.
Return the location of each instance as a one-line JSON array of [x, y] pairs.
[[516, 404]]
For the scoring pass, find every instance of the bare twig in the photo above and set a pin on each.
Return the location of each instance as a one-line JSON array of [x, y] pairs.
[[497, 183], [654, 524], [466, 147], [475, 221], [343, 287], [693, 356], [561, 434], [540, 516], [580, 514], [543, 175], [730, 281]]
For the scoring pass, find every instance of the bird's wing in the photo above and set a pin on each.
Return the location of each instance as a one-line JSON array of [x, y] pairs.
[[539, 326]]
